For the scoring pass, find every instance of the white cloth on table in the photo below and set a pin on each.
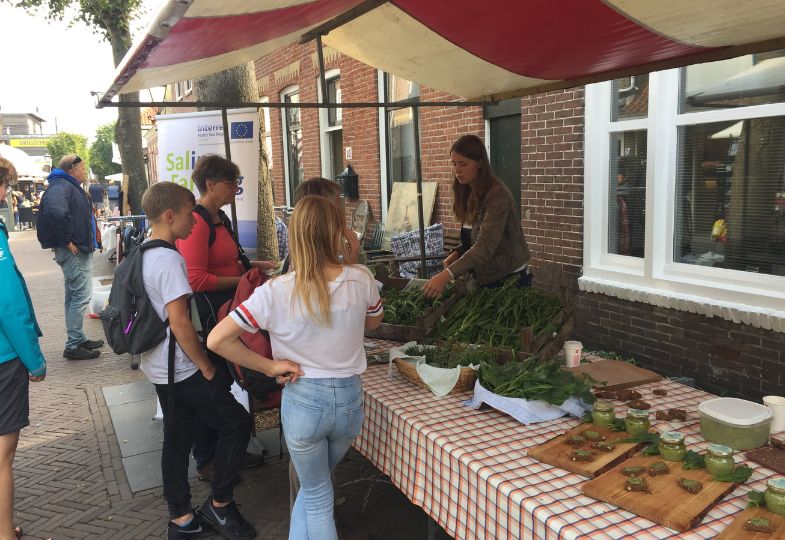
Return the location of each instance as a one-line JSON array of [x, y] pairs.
[[441, 381], [524, 410]]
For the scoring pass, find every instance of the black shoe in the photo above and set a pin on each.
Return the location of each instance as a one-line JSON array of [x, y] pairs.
[[196, 529], [80, 353], [90, 344], [251, 461], [227, 520]]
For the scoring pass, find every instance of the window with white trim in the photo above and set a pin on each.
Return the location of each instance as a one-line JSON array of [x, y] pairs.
[[293, 142], [189, 86], [178, 91], [331, 126], [267, 134], [685, 187]]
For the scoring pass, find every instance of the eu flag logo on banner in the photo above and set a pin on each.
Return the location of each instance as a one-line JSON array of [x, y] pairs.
[[242, 130]]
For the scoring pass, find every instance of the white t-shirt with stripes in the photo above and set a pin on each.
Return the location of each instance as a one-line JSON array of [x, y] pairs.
[[322, 352]]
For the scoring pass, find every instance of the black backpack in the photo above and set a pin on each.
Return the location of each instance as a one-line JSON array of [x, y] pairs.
[[130, 322]]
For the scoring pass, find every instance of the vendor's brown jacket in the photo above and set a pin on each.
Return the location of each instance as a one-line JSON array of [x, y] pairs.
[[498, 244]]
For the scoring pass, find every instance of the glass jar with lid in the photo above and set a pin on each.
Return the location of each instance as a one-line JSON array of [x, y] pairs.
[[637, 422], [719, 459], [775, 495], [672, 447], [602, 413]]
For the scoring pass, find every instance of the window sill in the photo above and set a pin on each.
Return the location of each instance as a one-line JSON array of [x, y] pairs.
[[759, 317]]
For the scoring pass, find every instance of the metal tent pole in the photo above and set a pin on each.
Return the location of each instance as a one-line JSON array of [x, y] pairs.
[[418, 165]]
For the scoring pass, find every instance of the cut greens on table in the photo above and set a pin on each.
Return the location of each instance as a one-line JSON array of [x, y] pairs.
[[404, 306], [495, 316], [535, 379], [450, 355]]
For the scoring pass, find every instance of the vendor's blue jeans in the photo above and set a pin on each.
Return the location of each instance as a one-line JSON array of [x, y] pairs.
[[78, 276], [321, 418]]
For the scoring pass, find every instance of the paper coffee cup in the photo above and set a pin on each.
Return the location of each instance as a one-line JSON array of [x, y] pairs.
[[572, 353], [777, 406]]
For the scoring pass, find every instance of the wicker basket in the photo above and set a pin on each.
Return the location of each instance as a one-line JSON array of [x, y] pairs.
[[465, 379]]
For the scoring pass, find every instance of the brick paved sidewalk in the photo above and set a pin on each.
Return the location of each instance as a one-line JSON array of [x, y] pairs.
[[70, 482]]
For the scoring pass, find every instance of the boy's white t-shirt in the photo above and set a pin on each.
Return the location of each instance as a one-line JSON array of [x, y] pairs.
[[321, 351], [165, 279]]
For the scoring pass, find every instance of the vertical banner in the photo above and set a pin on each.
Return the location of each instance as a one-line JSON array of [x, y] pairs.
[[183, 138]]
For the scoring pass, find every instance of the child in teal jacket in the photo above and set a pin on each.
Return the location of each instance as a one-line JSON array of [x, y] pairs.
[[21, 361]]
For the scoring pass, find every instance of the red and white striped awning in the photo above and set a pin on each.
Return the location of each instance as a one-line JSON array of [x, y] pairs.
[[492, 49]]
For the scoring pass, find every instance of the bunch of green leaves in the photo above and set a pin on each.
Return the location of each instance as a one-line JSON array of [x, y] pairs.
[[451, 355], [535, 379], [652, 439], [693, 460], [755, 499], [495, 316], [739, 475], [404, 306]]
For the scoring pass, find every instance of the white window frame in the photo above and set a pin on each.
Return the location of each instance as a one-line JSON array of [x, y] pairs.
[[267, 136], [189, 86], [293, 89], [756, 299], [178, 91], [382, 145], [325, 143]]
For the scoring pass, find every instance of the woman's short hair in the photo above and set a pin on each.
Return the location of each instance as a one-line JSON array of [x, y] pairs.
[[215, 168], [68, 162], [163, 196], [320, 187], [7, 172]]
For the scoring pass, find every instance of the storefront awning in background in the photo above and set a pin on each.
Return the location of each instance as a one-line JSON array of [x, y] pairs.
[[492, 49]]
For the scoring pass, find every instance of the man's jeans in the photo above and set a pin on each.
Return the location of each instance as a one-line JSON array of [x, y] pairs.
[[321, 418], [78, 275], [213, 402]]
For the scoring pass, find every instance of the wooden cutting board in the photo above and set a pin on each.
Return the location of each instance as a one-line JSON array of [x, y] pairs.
[[557, 452], [667, 504], [736, 529], [616, 374]]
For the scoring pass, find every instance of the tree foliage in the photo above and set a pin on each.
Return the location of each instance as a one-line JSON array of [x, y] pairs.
[[101, 152], [68, 143], [111, 19]]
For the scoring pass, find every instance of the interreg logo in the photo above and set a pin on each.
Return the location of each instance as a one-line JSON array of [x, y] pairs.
[[242, 130]]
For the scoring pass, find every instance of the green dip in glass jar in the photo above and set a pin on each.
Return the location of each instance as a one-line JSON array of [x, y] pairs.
[[719, 459], [637, 422], [775, 495], [602, 413], [672, 447]]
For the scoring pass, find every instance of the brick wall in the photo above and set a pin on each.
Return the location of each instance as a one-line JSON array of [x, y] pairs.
[[552, 178], [723, 357]]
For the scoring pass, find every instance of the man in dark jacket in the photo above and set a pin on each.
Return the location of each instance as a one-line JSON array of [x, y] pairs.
[[65, 223]]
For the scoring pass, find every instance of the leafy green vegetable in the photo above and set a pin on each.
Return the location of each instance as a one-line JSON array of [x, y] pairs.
[[587, 418], [450, 355], [693, 460], [755, 499], [739, 475], [535, 379], [619, 425], [651, 438], [652, 450], [404, 306], [495, 316]]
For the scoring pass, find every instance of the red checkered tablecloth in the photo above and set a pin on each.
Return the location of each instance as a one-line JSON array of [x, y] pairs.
[[469, 470]]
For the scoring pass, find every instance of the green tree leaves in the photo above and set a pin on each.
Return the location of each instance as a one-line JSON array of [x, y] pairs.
[[101, 152], [68, 143]]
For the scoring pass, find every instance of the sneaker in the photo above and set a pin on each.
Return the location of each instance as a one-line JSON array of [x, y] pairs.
[[251, 460], [196, 529], [227, 520], [80, 353], [92, 344]]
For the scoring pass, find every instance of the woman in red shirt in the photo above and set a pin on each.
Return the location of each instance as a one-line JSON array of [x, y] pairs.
[[214, 270]]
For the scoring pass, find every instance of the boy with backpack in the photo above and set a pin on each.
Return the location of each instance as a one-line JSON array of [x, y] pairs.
[[185, 380]]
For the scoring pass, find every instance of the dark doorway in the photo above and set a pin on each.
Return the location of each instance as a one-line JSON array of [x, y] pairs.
[[504, 119]]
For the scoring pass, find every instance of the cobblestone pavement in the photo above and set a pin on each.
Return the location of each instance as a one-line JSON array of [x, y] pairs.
[[70, 482]]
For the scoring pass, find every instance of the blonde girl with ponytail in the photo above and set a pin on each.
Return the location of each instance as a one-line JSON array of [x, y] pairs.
[[316, 316]]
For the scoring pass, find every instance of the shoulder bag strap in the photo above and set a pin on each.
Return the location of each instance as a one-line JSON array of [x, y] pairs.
[[228, 224]]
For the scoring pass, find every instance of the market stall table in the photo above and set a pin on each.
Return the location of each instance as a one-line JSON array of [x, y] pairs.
[[469, 469]]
